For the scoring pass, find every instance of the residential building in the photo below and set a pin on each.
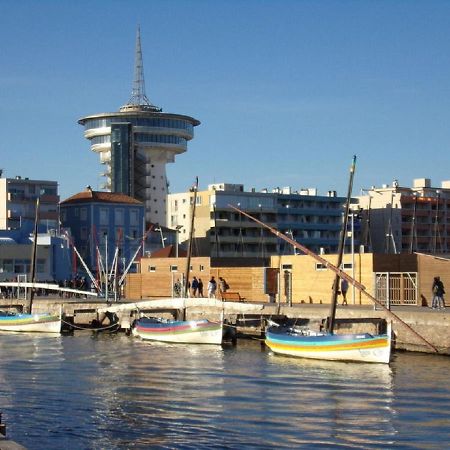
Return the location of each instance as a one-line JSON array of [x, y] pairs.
[[18, 203], [400, 219], [136, 143], [311, 219], [101, 222]]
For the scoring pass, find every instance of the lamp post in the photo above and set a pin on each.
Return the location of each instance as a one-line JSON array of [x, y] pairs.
[[413, 224], [436, 222], [177, 239], [162, 236]]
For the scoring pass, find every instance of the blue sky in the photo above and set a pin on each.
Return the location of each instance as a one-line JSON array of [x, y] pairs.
[[286, 91]]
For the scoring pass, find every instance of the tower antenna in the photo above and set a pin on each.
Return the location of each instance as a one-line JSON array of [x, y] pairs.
[[138, 97]]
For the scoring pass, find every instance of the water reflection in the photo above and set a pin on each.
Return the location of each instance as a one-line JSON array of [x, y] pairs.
[[116, 392]]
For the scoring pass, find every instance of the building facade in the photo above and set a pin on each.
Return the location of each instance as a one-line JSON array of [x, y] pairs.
[[135, 144], [401, 219], [53, 255], [101, 222], [18, 203], [219, 231]]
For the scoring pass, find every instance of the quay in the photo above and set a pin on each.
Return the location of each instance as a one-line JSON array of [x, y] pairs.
[[249, 318]]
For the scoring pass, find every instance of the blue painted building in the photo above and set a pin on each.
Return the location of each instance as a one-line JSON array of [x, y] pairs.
[[100, 222]]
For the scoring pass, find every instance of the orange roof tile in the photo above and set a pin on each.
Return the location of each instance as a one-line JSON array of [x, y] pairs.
[[101, 197]]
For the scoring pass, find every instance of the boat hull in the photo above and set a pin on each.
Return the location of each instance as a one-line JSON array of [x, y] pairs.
[[36, 323], [349, 347], [183, 332]]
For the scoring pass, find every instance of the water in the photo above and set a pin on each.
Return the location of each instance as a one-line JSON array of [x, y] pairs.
[[117, 392]]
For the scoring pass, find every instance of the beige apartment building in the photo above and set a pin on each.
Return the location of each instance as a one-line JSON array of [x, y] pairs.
[[400, 219], [220, 231], [18, 202]]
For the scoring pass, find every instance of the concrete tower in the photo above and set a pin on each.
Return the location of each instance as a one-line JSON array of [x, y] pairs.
[[135, 144]]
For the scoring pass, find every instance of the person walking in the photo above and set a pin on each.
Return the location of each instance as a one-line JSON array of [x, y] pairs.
[[344, 289], [212, 287], [223, 285], [194, 287], [438, 294], [200, 288]]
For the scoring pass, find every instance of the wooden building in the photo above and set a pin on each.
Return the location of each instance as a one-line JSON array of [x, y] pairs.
[[402, 279]]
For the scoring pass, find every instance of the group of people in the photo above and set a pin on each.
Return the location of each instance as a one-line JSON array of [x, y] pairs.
[[438, 294], [195, 289]]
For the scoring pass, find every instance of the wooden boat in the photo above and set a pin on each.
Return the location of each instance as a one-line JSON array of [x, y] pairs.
[[182, 331], [42, 323], [327, 345], [362, 347]]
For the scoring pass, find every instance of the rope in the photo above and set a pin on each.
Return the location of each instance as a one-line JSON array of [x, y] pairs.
[[89, 328]]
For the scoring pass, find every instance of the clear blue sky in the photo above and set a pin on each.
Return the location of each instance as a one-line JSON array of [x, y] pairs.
[[287, 91]]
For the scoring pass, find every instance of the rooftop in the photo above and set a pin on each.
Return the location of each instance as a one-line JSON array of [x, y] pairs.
[[89, 196]]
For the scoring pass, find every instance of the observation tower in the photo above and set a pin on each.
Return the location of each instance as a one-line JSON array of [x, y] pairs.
[[135, 144]]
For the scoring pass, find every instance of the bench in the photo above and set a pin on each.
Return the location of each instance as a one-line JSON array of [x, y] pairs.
[[233, 296]]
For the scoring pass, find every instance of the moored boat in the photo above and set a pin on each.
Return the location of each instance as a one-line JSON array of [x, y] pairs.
[[41, 323], [181, 331], [361, 347]]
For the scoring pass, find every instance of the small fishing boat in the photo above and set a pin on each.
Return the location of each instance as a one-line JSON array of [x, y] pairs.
[[363, 347], [42, 323], [182, 331]]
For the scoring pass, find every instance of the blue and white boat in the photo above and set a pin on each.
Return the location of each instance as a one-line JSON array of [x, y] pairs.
[[362, 347]]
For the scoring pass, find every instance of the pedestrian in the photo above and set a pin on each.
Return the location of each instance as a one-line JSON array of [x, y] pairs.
[[194, 287], [212, 286], [438, 294], [200, 288], [177, 289], [344, 289], [223, 285]]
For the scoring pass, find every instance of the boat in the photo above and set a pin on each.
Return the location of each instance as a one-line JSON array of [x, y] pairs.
[[42, 323], [181, 331], [362, 347], [184, 331], [27, 321], [326, 345]]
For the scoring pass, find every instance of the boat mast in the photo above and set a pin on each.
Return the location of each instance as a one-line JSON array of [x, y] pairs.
[[33, 257], [191, 236], [332, 317]]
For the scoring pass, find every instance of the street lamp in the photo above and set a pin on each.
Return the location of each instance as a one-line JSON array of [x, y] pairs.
[[162, 236], [177, 239]]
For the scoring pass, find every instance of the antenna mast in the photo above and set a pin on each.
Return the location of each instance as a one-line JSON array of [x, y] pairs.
[[139, 99]]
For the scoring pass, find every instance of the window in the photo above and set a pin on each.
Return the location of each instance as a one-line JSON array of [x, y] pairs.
[[40, 266], [22, 266], [134, 217], [104, 219], [320, 266], [118, 216], [151, 268], [286, 266], [173, 268], [347, 266], [6, 265], [202, 268], [83, 214]]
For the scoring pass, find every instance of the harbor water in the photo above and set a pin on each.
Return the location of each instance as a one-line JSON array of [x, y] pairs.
[[116, 392]]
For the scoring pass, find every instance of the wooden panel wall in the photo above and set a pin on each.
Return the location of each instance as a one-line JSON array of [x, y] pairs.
[[428, 268], [310, 285]]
